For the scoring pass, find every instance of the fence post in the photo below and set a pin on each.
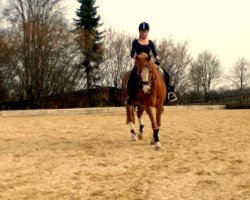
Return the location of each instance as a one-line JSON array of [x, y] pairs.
[[242, 97]]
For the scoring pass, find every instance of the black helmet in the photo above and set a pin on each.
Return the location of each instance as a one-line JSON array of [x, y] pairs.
[[144, 26]]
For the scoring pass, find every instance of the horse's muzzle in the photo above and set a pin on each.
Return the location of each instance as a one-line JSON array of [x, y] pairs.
[[146, 89]]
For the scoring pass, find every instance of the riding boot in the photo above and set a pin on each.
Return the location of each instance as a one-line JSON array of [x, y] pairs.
[[132, 86], [171, 96]]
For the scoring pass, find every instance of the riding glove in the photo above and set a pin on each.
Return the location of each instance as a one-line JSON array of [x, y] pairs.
[[157, 62]]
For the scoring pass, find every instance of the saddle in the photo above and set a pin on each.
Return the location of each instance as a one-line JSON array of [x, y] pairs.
[[162, 73]]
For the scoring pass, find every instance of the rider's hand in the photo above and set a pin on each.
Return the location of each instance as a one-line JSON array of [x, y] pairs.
[[157, 62]]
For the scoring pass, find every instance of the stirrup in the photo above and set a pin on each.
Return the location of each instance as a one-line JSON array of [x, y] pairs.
[[171, 97]]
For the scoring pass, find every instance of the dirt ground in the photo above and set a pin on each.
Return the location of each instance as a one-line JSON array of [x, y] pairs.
[[205, 155]]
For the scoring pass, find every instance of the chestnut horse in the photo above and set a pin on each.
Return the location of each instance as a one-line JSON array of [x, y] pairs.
[[151, 96]]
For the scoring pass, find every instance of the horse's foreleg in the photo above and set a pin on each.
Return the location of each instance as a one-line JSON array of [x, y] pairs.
[[155, 128], [130, 114], [149, 110], [155, 140], [159, 111], [132, 132]]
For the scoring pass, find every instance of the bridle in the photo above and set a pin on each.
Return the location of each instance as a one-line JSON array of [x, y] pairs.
[[145, 82], [150, 76]]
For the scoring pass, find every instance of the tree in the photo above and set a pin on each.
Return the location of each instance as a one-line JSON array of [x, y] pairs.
[[89, 40], [204, 71], [116, 58], [4, 65], [175, 59], [116, 61], [44, 51], [239, 73]]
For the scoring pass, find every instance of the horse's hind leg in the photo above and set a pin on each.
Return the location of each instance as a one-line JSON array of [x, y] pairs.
[[141, 127], [131, 121]]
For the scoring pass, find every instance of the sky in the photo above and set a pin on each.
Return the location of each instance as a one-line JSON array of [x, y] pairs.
[[219, 26]]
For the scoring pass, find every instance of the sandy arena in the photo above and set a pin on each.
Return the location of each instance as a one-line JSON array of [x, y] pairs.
[[205, 155]]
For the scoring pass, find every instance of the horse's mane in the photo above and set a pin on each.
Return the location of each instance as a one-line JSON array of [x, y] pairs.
[[143, 57]]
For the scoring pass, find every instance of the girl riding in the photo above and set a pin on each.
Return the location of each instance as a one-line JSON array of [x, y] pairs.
[[143, 44]]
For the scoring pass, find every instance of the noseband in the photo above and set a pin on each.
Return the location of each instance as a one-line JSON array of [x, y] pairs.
[[145, 82]]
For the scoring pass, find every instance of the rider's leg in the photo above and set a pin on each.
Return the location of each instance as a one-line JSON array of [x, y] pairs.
[[133, 83], [171, 96], [167, 79]]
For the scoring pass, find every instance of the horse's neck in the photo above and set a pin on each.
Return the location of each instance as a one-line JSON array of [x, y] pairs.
[[158, 74]]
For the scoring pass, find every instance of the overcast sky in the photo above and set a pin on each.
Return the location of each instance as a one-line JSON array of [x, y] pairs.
[[219, 26]]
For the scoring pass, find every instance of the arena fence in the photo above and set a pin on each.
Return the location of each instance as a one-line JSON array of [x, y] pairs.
[[80, 111]]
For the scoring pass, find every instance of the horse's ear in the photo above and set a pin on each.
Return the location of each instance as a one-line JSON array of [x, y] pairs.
[[149, 58]]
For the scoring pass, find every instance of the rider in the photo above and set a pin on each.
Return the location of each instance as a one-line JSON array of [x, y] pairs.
[[143, 44]]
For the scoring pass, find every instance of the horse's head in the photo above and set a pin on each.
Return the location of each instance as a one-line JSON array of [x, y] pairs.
[[144, 67]]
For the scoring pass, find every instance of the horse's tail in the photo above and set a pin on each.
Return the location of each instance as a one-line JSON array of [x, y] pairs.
[[130, 114]]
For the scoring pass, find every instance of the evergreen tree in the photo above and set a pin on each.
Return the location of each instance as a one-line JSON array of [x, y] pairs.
[[89, 39]]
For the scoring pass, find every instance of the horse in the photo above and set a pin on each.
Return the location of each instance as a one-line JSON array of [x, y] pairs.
[[151, 95]]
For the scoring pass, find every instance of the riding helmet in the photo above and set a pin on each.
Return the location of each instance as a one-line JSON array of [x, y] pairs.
[[144, 26]]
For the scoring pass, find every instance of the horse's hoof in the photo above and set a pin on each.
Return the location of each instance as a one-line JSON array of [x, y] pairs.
[[157, 146], [134, 137], [152, 141], [140, 136]]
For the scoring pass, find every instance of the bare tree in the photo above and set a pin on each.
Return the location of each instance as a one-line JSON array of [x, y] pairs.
[[204, 71], [175, 60], [45, 52], [4, 72], [239, 73], [116, 58]]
